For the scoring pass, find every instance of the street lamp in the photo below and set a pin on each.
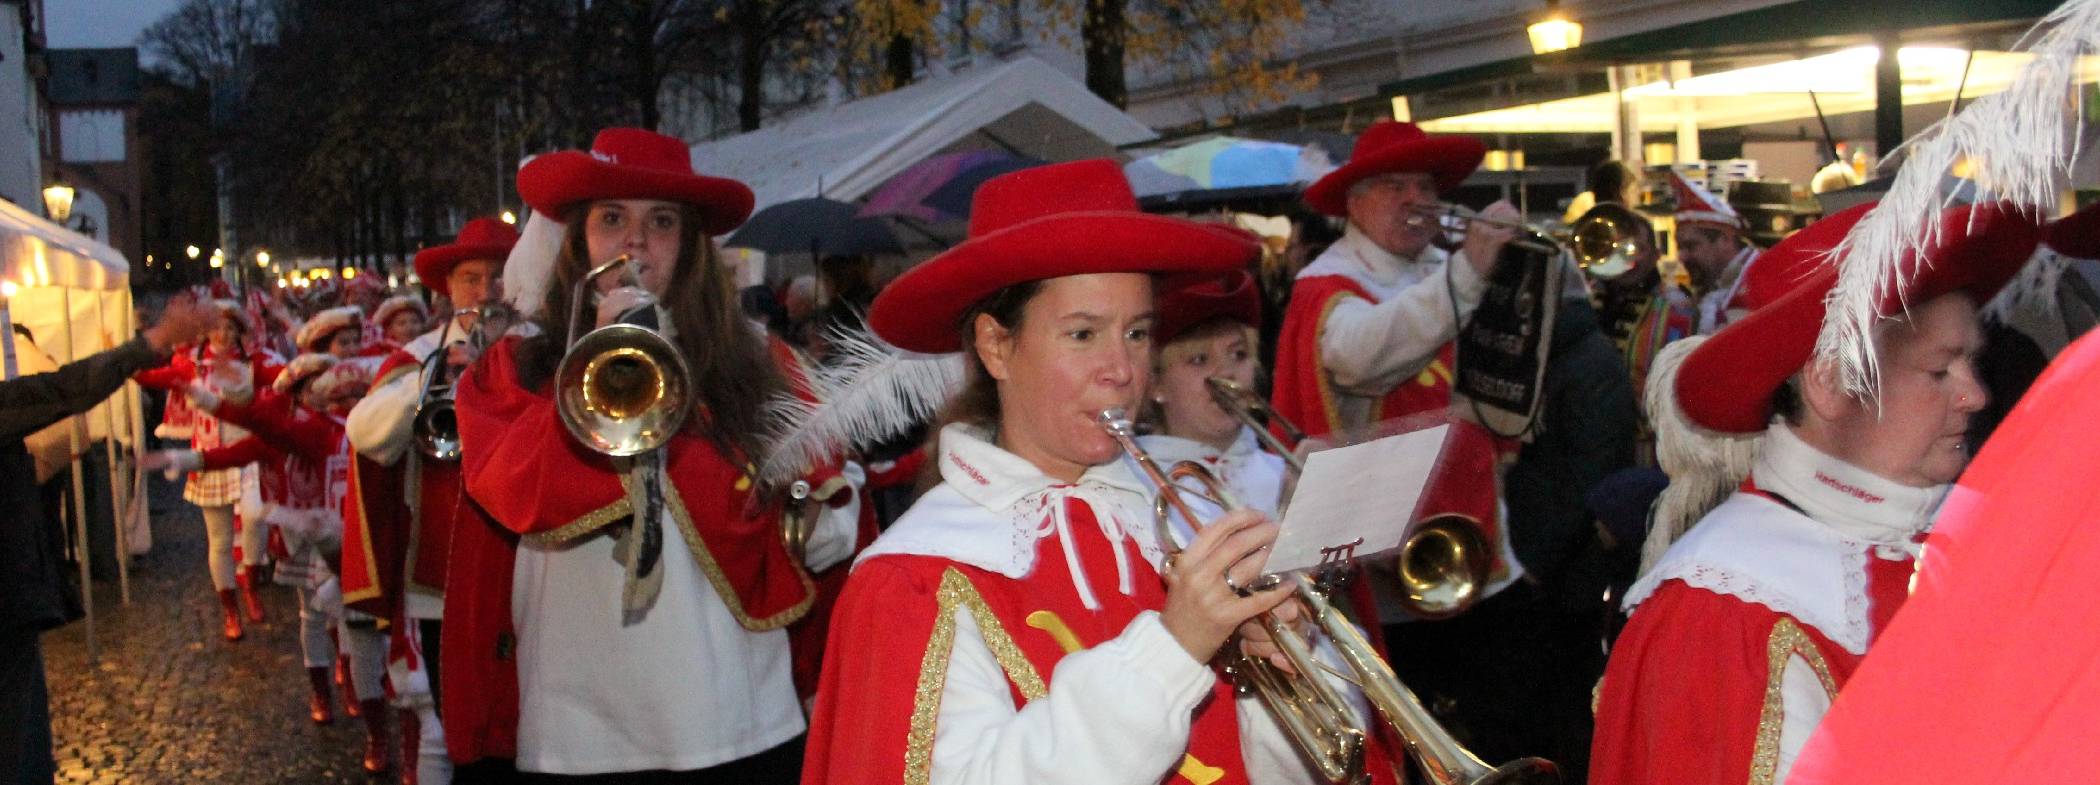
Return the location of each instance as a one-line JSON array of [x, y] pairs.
[[192, 252], [1554, 32], [217, 261], [510, 217], [262, 258], [58, 202]]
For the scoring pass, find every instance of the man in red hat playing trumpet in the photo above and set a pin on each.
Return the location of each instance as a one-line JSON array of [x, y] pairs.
[[396, 537], [1367, 336], [1746, 628]]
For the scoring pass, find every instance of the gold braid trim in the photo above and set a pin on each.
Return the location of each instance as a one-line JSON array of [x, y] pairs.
[[955, 592], [675, 502], [589, 522], [364, 533], [1787, 640]]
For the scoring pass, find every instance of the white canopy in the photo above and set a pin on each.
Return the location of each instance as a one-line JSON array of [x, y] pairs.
[[1022, 106], [36, 252]]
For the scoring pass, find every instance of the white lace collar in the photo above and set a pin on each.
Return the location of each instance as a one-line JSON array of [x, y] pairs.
[[993, 506], [1809, 563]]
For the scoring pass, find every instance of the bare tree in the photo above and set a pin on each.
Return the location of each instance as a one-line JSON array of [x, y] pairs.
[[204, 41]]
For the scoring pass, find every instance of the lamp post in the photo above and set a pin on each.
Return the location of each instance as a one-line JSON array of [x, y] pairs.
[[58, 202], [1554, 31]]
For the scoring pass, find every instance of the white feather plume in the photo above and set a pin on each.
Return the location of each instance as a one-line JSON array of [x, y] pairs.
[[1704, 466], [870, 392], [530, 268], [2020, 143]]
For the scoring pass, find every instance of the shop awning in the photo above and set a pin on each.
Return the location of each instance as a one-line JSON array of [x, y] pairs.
[[36, 252], [1792, 25]]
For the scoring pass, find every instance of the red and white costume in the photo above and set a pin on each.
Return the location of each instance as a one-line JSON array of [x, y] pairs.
[[1697, 206], [1367, 336], [1749, 625], [950, 661]]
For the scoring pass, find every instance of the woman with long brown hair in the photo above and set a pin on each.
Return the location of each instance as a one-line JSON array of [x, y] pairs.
[[651, 640]]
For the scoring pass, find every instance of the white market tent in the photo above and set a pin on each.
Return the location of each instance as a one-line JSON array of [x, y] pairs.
[[1022, 106], [74, 294]]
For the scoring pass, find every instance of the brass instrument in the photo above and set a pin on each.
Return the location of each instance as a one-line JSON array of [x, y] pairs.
[[1444, 562], [798, 520], [1601, 244], [1318, 720], [622, 389], [436, 425]]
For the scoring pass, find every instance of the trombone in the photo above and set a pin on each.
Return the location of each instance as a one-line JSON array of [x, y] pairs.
[[622, 389], [1318, 720], [1444, 562], [436, 423]]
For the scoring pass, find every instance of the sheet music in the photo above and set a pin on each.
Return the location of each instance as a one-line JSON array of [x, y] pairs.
[[1359, 494]]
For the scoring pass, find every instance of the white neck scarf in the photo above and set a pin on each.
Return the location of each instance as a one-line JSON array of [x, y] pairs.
[[1857, 503]]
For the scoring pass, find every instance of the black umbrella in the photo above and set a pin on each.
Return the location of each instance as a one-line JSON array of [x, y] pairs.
[[817, 226]]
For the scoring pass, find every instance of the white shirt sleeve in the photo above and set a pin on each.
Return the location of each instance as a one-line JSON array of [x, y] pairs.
[[379, 426], [1117, 714], [1803, 704], [1370, 349], [832, 539]]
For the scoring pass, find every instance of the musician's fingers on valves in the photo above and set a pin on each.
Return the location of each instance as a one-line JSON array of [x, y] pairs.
[[1203, 606]]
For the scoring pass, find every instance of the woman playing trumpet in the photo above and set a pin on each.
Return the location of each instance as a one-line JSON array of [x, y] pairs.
[[643, 642], [1017, 625]]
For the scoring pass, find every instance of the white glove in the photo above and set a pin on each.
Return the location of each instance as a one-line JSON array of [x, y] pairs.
[[173, 463], [202, 398]]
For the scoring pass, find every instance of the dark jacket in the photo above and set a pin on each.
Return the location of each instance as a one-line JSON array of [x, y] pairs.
[[34, 593], [1586, 432]]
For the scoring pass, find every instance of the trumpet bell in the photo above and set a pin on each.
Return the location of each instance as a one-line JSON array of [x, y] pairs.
[[1443, 566], [622, 390], [436, 430], [1604, 246]]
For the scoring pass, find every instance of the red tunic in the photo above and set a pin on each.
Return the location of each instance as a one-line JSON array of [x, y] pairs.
[[1692, 691], [889, 656], [1304, 391], [531, 478], [384, 544]]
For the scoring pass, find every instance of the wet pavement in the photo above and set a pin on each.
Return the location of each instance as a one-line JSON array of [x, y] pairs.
[[169, 701]]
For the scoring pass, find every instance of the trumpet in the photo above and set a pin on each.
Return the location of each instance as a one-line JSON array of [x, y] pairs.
[[436, 425], [622, 389], [1444, 562], [1318, 720], [1601, 244]]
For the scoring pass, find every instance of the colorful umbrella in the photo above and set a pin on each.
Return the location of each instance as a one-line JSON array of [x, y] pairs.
[[1226, 162], [939, 188]]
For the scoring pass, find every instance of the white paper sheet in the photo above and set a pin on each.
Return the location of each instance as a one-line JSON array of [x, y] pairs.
[[1363, 491]]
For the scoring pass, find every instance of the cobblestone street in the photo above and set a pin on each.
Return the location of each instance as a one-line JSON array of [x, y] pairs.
[[169, 701]]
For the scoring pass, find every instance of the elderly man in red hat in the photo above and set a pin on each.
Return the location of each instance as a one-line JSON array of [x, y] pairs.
[[1367, 336], [394, 548], [1743, 632], [1711, 247]]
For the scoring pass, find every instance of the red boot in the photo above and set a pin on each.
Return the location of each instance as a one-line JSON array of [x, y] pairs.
[[317, 707], [411, 745], [232, 625], [249, 600], [374, 713], [343, 677]]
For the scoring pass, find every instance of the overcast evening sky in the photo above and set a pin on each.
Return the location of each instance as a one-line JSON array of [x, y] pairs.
[[101, 23]]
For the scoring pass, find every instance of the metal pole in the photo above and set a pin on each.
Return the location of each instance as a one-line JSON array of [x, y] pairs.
[[117, 493], [80, 514], [1888, 94]]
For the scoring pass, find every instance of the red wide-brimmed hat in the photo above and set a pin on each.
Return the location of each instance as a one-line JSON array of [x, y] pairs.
[[1727, 383], [1187, 302], [1046, 222], [482, 238], [1391, 146], [633, 163]]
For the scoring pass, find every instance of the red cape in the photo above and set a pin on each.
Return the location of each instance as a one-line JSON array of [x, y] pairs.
[[1303, 391], [1992, 673]]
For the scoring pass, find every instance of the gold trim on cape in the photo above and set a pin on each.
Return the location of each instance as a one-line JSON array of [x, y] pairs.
[[1787, 641], [956, 591]]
